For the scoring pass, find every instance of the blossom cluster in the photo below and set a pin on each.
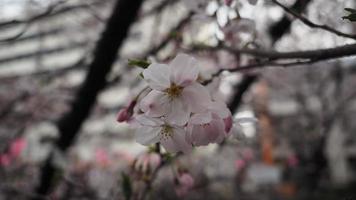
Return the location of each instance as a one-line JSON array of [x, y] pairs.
[[178, 111]]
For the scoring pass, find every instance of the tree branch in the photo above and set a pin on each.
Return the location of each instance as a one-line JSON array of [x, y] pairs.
[[311, 24], [319, 54]]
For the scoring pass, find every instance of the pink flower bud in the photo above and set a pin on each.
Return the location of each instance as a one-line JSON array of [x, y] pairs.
[[126, 113], [123, 115]]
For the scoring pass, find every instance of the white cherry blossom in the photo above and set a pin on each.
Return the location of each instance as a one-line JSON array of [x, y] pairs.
[[171, 136], [175, 90]]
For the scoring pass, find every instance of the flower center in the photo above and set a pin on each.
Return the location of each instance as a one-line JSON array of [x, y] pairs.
[[166, 131], [174, 91]]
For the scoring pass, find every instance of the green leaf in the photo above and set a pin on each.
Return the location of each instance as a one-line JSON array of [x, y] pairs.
[[126, 186], [351, 16], [139, 63], [351, 10]]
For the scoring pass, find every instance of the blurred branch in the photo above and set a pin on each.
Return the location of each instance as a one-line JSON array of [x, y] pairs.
[[49, 12], [311, 24]]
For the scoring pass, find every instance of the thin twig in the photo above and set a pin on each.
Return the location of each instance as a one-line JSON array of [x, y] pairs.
[[311, 24]]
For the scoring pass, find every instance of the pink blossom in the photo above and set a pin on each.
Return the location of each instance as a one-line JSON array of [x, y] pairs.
[[16, 147], [170, 135], [184, 184], [5, 160], [175, 90]]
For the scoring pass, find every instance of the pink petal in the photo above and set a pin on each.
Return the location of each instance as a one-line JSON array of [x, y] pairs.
[[184, 70], [155, 104], [157, 76], [196, 97]]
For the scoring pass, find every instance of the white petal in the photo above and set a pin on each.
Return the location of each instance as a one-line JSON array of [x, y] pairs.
[[184, 70], [179, 114], [179, 139], [155, 104], [220, 109], [148, 121], [222, 15], [201, 118], [196, 97], [177, 142], [147, 135], [157, 76]]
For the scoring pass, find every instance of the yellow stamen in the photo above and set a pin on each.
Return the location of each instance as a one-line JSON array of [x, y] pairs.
[[174, 91]]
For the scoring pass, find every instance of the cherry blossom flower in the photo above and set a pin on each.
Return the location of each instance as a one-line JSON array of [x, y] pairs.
[[175, 90], [170, 135], [184, 183]]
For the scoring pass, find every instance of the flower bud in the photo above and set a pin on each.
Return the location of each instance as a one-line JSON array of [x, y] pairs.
[[125, 114]]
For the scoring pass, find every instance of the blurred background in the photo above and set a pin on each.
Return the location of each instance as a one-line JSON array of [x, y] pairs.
[[302, 147]]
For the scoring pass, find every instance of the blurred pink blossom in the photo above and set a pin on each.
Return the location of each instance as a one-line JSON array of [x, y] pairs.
[[16, 147], [292, 160], [240, 164], [5, 160], [184, 183], [147, 162], [248, 154], [102, 157]]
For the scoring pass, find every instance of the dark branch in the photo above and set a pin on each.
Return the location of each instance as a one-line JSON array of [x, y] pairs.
[[311, 24]]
